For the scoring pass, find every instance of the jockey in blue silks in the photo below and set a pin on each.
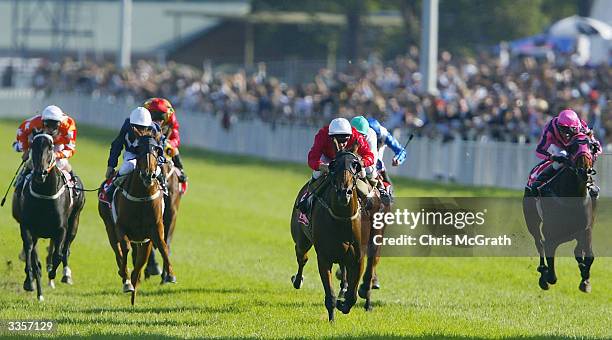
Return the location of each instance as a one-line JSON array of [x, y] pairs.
[[385, 138]]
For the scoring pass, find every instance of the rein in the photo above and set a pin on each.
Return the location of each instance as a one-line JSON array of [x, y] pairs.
[[47, 197], [341, 218]]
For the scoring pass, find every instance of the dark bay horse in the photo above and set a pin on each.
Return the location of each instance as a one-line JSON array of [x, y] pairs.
[[47, 207], [566, 212], [171, 206], [139, 219], [336, 232]]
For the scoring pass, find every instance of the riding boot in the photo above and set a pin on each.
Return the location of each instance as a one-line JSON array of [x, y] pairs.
[[385, 198], [542, 178], [161, 178], [315, 185], [363, 191], [179, 164], [110, 191]]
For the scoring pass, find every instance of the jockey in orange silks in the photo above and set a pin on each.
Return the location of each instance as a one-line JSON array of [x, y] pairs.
[[54, 122]]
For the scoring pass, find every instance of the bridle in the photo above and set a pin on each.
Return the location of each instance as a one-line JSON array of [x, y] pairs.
[[354, 168], [46, 172], [147, 179]]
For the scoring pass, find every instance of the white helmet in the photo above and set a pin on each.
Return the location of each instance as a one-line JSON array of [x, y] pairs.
[[140, 116], [340, 126], [53, 112]]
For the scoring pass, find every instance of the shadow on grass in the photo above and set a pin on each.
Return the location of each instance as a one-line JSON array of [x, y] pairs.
[[169, 291], [159, 310]]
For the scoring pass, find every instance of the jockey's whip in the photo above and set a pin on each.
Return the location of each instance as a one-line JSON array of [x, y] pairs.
[[409, 139], [10, 184]]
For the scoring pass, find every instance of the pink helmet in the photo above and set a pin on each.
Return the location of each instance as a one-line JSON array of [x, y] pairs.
[[569, 118]]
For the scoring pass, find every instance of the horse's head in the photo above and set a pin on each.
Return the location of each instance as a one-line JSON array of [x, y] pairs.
[[43, 156], [581, 156], [148, 151], [343, 171]]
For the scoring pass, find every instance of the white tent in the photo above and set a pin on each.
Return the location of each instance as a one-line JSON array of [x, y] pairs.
[[577, 25], [593, 37]]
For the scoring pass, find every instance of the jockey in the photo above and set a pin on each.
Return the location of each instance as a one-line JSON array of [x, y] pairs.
[[61, 127], [140, 119], [385, 138], [322, 152], [163, 113], [552, 146], [363, 127]]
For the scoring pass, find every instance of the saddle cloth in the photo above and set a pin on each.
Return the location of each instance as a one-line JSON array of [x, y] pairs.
[[537, 170]]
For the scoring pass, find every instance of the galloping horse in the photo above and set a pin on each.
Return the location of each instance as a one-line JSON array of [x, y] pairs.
[[47, 207], [138, 206], [370, 279], [567, 213], [336, 232], [171, 205]]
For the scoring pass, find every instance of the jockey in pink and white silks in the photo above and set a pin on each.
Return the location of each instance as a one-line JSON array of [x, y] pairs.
[[552, 146]]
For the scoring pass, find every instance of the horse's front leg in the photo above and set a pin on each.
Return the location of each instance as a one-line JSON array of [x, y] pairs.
[[354, 269], [585, 258], [325, 267], [158, 240], [125, 245], [58, 247], [28, 246]]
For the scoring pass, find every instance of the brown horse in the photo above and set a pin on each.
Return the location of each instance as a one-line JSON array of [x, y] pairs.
[[370, 278], [139, 220], [171, 206], [336, 232], [566, 212]]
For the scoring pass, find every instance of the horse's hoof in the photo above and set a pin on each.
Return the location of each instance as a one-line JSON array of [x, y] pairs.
[[67, 280], [343, 306], [375, 283], [368, 307], [41, 298], [362, 291], [168, 279], [585, 286], [152, 271], [52, 284], [297, 284], [128, 287], [543, 283], [28, 286], [339, 274]]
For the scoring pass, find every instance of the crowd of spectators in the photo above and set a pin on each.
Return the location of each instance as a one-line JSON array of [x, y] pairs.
[[479, 98]]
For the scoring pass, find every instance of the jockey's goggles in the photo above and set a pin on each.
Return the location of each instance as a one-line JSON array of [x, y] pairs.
[[158, 115], [341, 138], [141, 128], [568, 130], [51, 124]]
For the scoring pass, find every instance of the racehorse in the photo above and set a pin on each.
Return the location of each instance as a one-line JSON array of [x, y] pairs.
[[370, 279], [48, 206], [138, 205], [566, 212], [336, 231], [171, 205]]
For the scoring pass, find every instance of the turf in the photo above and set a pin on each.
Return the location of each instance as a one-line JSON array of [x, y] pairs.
[[233, 257]]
